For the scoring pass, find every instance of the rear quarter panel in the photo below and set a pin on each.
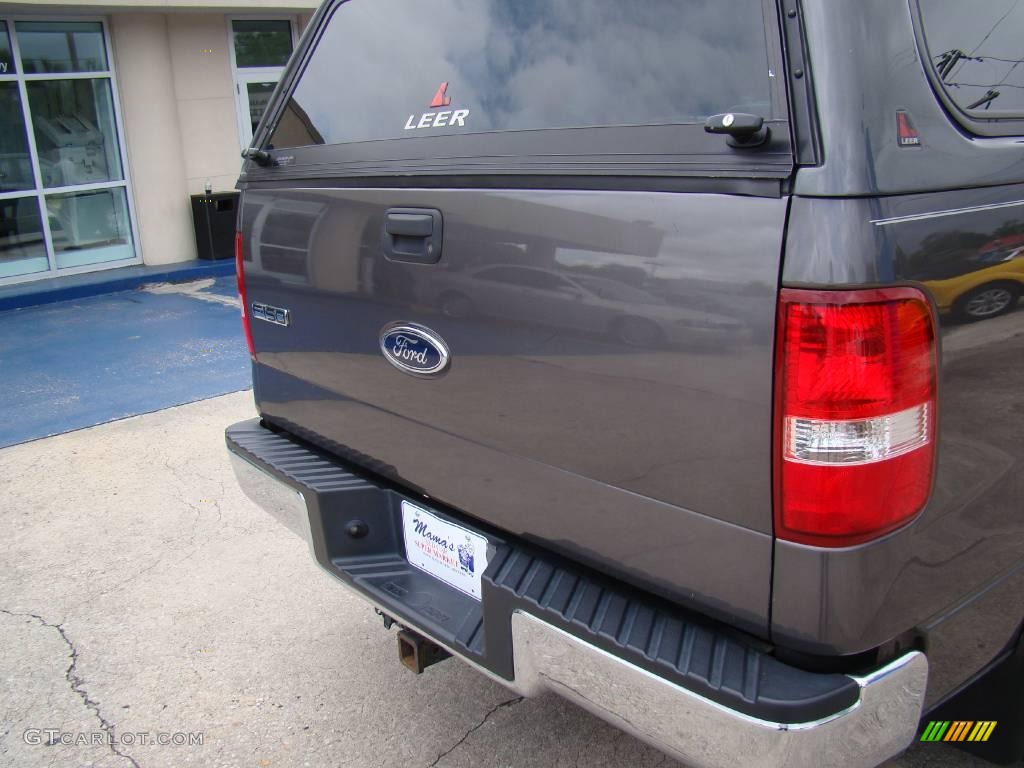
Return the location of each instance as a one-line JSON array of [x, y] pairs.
[[956, 572]]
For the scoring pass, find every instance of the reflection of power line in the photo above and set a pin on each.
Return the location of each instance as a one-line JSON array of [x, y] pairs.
[[1008, 73], [982, 85], [948, 60], [985, 100], [999, 58], [990, 95], [987, 36], [961, 55]]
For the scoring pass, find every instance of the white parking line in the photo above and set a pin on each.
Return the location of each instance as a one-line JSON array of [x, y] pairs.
[[193, 290]]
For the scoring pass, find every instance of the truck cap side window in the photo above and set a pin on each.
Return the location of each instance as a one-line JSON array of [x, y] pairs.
[[391, 69], [975, 58]]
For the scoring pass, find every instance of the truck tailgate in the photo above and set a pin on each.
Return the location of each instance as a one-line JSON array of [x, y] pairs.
[[609, 388]]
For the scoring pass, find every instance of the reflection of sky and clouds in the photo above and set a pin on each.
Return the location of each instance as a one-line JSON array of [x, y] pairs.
[[685, 248], [522, 64]]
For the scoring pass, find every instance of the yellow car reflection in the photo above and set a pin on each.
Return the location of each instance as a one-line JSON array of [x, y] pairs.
[[992, 289]]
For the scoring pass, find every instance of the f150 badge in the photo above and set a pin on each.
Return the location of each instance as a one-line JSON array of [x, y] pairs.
[[455, 118], [414, 349], [275, 315]]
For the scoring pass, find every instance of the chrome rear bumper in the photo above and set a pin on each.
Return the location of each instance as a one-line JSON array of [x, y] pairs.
[[677, 721], [702, 733]]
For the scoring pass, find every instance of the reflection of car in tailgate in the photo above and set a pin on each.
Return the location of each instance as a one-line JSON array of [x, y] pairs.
[[528, 382], [992, 288], [601, 305]]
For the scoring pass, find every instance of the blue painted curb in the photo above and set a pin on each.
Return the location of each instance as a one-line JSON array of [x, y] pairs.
[[70, 287]]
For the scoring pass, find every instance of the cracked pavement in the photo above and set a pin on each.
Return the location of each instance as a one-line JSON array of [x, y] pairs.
[[142, 593]]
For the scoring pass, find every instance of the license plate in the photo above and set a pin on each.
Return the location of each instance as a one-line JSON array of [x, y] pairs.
[[447, 552]]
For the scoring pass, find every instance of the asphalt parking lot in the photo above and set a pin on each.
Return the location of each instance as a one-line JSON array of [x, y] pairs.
[[78, 363], [142, 593]]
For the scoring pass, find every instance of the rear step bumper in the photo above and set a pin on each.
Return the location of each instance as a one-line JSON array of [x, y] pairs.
[[693, 689]]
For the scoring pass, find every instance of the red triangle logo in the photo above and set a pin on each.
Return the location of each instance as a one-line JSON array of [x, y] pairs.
[[906, 132], [440, 100]]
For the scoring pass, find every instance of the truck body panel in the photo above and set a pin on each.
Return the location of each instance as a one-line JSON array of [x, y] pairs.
[[608, 392], [970, 537], [603, 286]]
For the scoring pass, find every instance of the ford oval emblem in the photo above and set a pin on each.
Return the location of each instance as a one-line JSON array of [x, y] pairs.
[[414, 349]]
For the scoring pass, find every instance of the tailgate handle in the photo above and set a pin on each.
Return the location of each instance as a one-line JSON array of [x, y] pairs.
[[410, 224], [412, 235]]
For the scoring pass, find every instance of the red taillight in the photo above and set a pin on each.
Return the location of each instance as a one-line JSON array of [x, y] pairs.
[[855, 413], [240, 275]]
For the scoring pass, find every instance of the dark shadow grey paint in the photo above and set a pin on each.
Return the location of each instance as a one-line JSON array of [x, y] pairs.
[[606, 394], [867, 65], [611, 400], [970, 537]]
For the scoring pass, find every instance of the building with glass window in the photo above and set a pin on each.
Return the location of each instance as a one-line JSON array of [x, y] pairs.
[[112, 116]]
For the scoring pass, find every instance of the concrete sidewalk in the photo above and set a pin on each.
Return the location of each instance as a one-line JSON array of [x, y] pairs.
[[142, 593]]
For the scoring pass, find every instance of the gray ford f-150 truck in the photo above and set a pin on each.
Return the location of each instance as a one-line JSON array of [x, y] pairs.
[[660, 353]]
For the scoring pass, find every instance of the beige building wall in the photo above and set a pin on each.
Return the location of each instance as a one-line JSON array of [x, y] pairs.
[[180, 119], [205, 93], [149, 113]]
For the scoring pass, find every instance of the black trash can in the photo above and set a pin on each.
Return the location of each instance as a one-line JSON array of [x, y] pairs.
[[213, 217]]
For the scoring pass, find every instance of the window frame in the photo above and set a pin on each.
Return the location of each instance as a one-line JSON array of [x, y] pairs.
[[977, 121], [39, 190], [241, 76]]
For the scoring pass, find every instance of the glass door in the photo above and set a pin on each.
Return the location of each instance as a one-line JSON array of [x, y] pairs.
[[254, 89], [260, 49], [64, 203]]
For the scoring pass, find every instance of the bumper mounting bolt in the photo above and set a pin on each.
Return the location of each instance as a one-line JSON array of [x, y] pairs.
[[357, 529]]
